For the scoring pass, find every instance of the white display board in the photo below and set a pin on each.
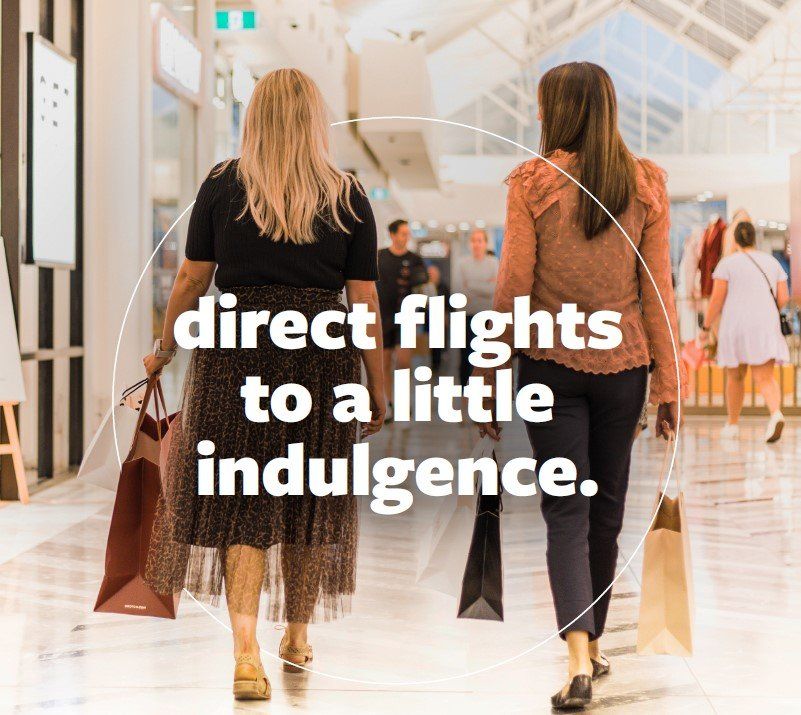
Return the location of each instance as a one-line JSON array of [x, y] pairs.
[[52, 154], [12, 388]]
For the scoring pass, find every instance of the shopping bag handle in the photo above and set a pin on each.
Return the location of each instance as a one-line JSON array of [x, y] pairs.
[[485, 447], [669, 445], [153, 387], [133, 388]]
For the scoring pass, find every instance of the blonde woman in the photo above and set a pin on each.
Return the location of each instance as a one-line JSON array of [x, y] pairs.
[[279, 228]]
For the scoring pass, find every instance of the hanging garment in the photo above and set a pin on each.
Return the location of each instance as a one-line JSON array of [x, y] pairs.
[[688, 289], [710, 254], [729, 244]]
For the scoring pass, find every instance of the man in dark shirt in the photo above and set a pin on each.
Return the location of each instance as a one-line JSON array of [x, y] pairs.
[[399, 270]]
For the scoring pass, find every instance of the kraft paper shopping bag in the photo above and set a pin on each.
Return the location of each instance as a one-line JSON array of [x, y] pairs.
[[666, 605]]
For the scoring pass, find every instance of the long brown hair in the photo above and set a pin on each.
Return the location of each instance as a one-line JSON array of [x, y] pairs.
[[286, 167], [578, 107]]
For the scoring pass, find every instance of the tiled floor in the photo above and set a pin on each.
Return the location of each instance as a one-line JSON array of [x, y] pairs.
[[743, 499]]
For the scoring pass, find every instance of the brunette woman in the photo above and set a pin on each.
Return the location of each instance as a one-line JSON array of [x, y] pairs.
[[562, 247], [284, 229]]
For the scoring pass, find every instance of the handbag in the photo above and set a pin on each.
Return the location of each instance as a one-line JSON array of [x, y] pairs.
[[482, 584], [665, 624], [444, 549], [124, 589], [784, 323]]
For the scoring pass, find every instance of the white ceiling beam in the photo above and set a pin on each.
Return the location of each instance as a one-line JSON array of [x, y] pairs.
[[683, 40], [764, 8], [635, 82], [706, 23], [568, 30], [524, 97], [656, 68], [470, 23], [524, 119], [500, 46], [578, 8]]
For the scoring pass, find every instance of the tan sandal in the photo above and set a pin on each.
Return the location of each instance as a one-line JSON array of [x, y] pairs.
[[297, 656], [246, 686]]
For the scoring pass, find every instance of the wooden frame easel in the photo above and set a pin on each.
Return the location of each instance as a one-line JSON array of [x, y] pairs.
[[13, 448]]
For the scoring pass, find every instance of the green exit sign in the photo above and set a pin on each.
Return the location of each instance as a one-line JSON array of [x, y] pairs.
[[236, 19]]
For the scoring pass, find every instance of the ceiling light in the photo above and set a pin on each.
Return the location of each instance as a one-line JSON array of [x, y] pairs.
[[480, 223], [433, 223], [451, 228], [415, 225]]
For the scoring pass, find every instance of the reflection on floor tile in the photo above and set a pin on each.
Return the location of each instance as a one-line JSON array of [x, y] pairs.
[[743, 503]]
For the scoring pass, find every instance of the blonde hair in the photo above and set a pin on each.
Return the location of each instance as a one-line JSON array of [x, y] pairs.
[[286, 167]]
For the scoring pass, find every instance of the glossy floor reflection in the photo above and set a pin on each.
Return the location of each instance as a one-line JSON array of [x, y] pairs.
[[743, 500]]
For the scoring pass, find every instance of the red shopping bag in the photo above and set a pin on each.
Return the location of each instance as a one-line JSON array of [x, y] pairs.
[[124, 589]]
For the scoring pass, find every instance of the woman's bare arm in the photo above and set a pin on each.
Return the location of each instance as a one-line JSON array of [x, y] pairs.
[[191, 283], [719, 290], [782, 293], [365, 292]]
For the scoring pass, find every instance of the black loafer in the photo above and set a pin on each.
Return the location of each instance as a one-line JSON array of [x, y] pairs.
[[599, 667], [579, 694]]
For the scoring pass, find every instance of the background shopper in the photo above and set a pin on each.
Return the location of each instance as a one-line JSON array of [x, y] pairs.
[[399, 270], [437, 287], [750, 287], [561, 247], [284, 229], [475, 276]]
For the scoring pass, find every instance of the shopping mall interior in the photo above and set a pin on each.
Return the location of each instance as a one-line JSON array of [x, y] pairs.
[[432, 105]]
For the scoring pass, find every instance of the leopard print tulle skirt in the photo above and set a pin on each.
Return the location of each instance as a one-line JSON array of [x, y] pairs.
[[297, 551]]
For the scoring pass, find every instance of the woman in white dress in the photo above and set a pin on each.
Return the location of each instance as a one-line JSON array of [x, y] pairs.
[[749, 290]]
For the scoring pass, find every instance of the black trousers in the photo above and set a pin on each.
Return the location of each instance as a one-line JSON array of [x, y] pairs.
[[593, 425]]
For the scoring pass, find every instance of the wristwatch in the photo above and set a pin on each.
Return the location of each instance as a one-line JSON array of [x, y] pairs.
[[159, 353]]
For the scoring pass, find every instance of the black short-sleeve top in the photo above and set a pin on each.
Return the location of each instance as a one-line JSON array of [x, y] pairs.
[[245, 258]]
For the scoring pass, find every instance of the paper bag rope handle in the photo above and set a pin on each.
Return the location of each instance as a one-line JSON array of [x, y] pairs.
[[671, 441]]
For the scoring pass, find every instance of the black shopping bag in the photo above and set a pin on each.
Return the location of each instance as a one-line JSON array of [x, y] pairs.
[[482, 584]]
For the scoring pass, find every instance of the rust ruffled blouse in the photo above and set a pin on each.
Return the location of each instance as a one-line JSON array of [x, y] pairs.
[[547, 256]]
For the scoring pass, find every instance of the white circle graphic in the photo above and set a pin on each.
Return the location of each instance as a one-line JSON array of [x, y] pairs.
[[527, 651]]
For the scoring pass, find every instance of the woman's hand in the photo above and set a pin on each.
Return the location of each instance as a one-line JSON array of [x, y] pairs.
[[154, 365], [667, 419], [378, 405]]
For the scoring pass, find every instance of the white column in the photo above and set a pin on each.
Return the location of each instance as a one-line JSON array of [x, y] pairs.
[[116, 188]]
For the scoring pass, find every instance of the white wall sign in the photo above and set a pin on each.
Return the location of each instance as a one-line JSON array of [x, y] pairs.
[[12, 389], [52, 154], [177, 59]]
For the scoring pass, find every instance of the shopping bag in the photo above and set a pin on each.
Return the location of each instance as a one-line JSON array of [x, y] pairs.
[[164, 450], [443, 550], [124, 589], [693, 354], [666, 604], [100, 465], [482, 584]]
